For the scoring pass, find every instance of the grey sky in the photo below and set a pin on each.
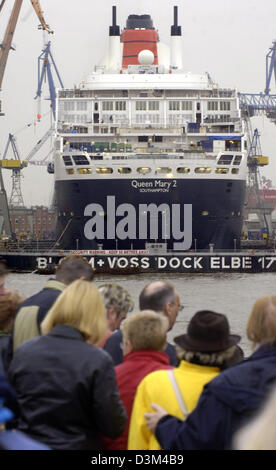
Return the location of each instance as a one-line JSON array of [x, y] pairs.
[[227, 38]]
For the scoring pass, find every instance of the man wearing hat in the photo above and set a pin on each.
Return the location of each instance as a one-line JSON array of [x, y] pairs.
[[203, 352]]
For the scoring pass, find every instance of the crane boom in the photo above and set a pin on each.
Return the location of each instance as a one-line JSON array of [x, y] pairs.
[[270, 67], [39, 144], [2, 4], [39, 13], [6, 45]]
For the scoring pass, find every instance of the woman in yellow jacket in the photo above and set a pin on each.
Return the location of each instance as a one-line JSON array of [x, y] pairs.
[[207, 347]]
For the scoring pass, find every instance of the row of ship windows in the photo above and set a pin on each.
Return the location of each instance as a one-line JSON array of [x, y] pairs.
[[146, 170], [203, 213], [143, 105], [225, 159]]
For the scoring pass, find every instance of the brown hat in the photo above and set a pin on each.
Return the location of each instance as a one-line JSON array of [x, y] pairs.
[[207, 332]]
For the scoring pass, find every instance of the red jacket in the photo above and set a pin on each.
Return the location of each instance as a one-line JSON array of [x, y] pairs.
[[136, 365]]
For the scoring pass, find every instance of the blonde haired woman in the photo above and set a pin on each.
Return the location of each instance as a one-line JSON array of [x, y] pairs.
[[66, 386]]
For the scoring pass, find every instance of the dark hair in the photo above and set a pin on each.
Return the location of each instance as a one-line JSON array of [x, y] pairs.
[[74, 267], [9, 304], [3, 268], [156, 299]]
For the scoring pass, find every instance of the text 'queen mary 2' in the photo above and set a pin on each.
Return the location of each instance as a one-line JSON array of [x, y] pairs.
[[148, 152]]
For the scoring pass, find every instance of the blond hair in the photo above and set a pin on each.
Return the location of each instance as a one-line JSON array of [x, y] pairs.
[[146, 330], [206, 359], [261, 324], [116, 296], [80, 305]]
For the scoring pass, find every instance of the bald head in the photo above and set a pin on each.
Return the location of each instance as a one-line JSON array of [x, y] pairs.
[[161, 297]]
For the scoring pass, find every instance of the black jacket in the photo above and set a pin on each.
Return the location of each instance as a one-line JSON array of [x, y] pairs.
[[226, 404], [39, 303], [4, 341], [67, 391]]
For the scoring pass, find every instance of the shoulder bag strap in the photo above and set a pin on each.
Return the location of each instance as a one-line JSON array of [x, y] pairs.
[[178, 393]]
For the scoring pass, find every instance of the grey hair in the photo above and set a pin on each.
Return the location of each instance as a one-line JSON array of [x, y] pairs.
[[215, 358]]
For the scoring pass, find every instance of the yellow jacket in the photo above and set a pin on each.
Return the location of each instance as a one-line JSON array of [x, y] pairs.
[[156, 388]]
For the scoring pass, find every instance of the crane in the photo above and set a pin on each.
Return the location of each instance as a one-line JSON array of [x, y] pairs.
[[7, 41], [270, 67], [255, 202], [16, 165], [40, 16], [262, 103], [4, 52], [47, 60], [2, 4]]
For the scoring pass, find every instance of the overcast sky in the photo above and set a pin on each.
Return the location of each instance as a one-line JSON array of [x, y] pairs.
[[227, 38]]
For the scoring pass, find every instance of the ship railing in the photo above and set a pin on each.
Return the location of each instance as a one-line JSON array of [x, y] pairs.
[[126, 129], [221, 119], [159, 156], [197, 252]]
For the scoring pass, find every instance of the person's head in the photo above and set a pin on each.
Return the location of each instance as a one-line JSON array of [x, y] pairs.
[[208, 340], [74, 267], [80, 306], [3, 273], [9, 304], [161, 297], [118, 303], [261, 325], [145, 330]]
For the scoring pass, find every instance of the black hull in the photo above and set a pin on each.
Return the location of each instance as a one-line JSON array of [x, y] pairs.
[[221, 199], [122, 263]]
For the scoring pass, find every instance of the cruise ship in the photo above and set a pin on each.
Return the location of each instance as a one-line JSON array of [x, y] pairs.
[[147, 151]]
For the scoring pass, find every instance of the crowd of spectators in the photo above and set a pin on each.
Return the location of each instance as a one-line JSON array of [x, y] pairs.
[[82, 368]]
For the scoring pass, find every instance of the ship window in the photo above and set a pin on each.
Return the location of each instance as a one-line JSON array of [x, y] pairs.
[[203, 169], [124, 170], [174, 105], [212, 105], [141, 105], [183, 169], [205, 213], [222, 170], [69, 171], [235, 171], [67, 160], [225, 160], [80, 160], [104, 170], [107, 105], [224, 105], [84, 171], [120, 105], [143, 138], [69, 105], [153, 105], [187, 105], [237, 160], [81, 105], [144, 170], [163, 170]]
